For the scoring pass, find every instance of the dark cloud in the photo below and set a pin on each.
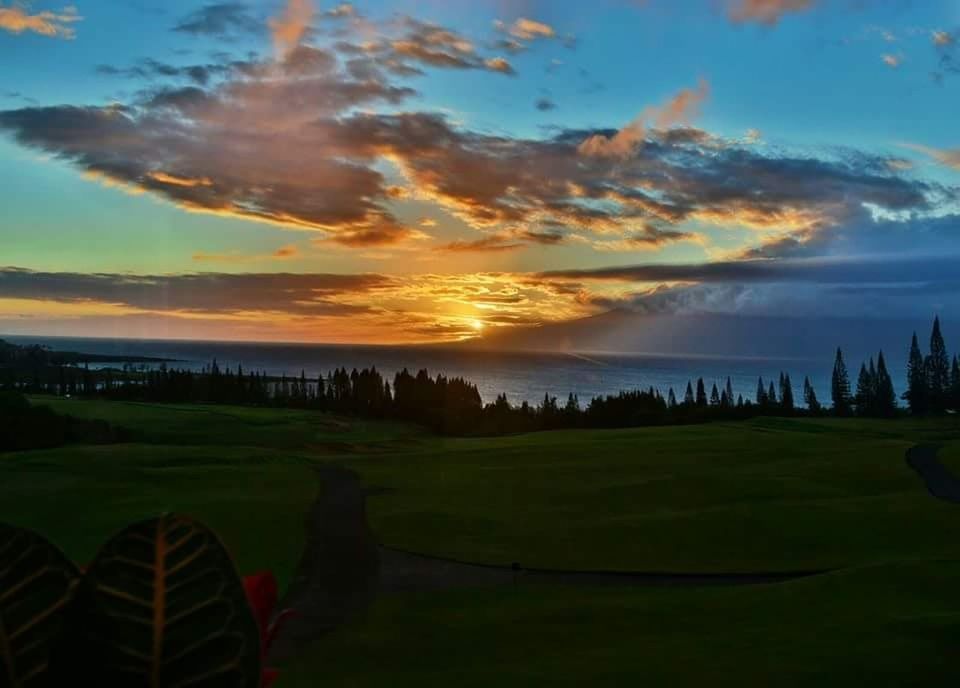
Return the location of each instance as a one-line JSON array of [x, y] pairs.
[[220, 19], [864, 235], [545, 238], [301, 294], [545, 104], [149, 69], [302, 141], [853, 270]]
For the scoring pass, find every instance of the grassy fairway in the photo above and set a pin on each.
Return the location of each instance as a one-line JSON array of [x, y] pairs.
[[246, 472], [771, 494], [893, 626]]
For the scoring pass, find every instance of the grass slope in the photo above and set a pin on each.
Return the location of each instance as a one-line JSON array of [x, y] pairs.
[[770, 494], [894, 626], [246, 472]]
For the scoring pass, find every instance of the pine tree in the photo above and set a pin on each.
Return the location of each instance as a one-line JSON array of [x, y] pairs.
[[916, 394], [886, 397], [772, 395], [739, 401], [714, 396], [701, 393], [864, 396], [761, 393], [786, 393], [938, 369], [688, 397], [810, 396], [671, 399], [840, 386], [955, 384], [729, 391]]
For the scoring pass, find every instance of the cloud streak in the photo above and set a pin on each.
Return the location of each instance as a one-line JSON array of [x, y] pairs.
[[768, 12], [17, 20]]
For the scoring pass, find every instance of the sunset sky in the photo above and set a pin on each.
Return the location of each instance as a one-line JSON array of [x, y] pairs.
[[442, 169]]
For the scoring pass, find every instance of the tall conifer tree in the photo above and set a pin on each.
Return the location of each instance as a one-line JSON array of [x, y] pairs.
[[886, 397], [840, 386], [938, 369], [916, 394]]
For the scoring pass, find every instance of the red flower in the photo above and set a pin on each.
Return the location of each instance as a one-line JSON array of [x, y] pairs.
[[262, 595]]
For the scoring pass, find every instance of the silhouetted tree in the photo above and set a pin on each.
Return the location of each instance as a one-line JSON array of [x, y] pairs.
[[671, 399], [886, 397], [761, 393], [786, 393], [938, 369], [810, 397], [688, 399], [840, 386], [701, 393], [864, 396], [955, 384], [916, 394], [714, 395]]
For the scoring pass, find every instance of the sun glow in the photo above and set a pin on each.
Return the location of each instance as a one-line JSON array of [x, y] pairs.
[[477, 325]]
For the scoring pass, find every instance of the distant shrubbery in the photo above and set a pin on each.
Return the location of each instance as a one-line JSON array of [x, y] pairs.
[[23, 426]]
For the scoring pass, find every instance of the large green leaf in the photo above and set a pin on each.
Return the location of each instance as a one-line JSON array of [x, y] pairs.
[[36, 583], [163, 606]]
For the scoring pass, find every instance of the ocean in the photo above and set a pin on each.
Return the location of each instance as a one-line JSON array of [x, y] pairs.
[[521, 376]]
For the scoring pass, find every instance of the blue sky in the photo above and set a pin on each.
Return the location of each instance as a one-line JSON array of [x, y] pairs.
[[461, 151]]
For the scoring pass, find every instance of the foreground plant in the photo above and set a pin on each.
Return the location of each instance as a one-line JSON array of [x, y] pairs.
[[36, 585], [160, 605]]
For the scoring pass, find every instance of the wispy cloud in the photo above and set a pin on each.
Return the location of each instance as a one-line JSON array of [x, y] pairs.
[[768, 12], [680, 108], [945, 156], [282, 253], [55, 24], [220, 19], [289, 28], [892, 60], [942, 38]]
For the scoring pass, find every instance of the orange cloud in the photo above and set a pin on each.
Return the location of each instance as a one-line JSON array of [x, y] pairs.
[[680, 109], [766, 11], [492, 244], [281, 253], [949, 157], [173, 179], [289, 28], [942, 38], [499, 64], [529, 29], [53, 24], [286, 252]]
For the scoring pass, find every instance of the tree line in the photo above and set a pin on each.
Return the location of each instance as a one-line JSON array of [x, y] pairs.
[[453, 405]]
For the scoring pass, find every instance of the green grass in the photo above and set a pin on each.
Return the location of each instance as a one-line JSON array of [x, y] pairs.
[[79, 496], [246, 472], [896, 625], [770, 494]]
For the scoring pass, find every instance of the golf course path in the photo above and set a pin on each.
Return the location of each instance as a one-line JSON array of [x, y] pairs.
[[343, 567], [941, 483]]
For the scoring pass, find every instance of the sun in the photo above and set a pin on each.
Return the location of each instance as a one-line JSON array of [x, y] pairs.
[[477, 325]]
